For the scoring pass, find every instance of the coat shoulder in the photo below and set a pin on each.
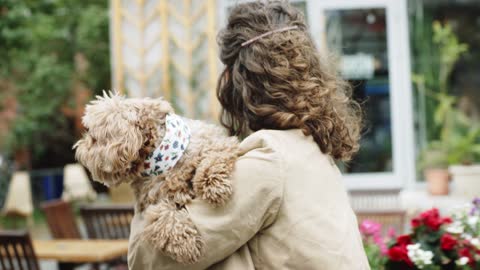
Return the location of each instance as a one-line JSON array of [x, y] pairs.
[[272, 141]]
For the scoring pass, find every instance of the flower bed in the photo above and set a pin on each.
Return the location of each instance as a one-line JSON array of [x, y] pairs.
[[435, 242]]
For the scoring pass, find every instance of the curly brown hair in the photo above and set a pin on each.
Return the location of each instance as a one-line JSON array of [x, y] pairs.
[[279, 81]]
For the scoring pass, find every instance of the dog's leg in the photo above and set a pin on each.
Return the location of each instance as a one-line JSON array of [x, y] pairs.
[[212, 178], [178, 181], [171, 231]]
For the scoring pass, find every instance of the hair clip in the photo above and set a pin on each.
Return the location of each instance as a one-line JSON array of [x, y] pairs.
[[268, 33]]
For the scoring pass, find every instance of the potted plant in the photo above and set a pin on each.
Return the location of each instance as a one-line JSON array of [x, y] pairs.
[[434, 162], [456, 137], [458, 149], [439, 243], [464, 157]]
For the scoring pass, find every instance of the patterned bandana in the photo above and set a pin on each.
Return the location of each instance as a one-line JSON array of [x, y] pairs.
[[171, 149]]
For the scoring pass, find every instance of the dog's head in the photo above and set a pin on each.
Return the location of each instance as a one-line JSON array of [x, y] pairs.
[[120, 132]]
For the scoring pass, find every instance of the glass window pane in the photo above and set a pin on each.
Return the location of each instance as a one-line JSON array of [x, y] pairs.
[[359, 38]]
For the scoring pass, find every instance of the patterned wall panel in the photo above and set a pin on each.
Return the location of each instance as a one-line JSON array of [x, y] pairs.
[[167, 48]]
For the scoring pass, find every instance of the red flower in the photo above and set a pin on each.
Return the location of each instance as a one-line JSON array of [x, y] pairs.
[[433, 224], [416, 222], [447, 242], [431, 219], [447, 220], [464, 252], [404, 240], [399, 254], [432, 213]]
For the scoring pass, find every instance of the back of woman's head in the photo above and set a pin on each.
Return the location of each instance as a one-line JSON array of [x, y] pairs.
[[279, 82]]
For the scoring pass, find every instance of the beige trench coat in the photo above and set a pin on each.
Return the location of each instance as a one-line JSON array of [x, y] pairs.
[[289, 210]]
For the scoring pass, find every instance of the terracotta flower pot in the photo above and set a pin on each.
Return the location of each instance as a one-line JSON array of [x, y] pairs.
[[437, 181], [466, 179]]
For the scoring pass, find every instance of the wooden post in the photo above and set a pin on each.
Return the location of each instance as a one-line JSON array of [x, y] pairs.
[[117, 46], [165, 61]]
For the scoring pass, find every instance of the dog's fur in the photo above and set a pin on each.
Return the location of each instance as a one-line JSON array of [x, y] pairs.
[[121, 132]]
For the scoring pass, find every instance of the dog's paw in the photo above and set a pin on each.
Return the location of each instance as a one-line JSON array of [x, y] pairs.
[[172, 232], [217, 190], [212, 179], [214, 185]]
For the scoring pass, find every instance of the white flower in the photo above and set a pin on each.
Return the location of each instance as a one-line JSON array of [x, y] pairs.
[[462, 261], [475, 242], [461, 210], [413, 247], [419, 256], [455, 228], [472, 221]]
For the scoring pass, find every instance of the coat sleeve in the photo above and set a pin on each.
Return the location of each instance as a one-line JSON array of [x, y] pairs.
[[257, 196]]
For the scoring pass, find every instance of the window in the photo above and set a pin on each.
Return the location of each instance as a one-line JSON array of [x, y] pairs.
[[371, 39], [359, 37]]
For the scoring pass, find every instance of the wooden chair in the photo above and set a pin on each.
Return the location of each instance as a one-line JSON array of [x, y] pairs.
[[61, 220], [107, 222], [388, 218], [16, 251]]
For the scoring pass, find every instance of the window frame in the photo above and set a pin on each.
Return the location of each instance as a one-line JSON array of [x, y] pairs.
[[401, 101]]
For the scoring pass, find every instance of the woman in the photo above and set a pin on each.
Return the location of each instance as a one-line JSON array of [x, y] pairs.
[[290, 209]]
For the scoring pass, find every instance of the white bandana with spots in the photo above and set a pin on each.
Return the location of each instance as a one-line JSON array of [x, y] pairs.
[[171, 149]]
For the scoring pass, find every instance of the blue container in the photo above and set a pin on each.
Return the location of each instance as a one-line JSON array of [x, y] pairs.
[[52, 187]]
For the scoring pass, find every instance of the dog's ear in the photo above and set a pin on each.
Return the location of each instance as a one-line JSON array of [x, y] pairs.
[[108, 160], [151, 117], [119, 154], [120, 133], [161, 106], [114, 136]]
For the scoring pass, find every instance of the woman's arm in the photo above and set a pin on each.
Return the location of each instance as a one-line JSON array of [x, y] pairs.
[[256, 198]]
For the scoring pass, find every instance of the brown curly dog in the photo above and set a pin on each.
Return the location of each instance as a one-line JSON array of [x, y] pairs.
[[121, 133]]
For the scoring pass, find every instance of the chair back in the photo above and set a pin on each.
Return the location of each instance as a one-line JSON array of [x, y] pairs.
[[16, 251], [61, 220], [107, 222]]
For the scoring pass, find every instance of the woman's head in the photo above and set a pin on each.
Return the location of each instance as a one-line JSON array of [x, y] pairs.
[[279, 82]]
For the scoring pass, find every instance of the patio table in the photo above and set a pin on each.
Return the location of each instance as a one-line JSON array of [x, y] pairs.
[[80, 251]]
